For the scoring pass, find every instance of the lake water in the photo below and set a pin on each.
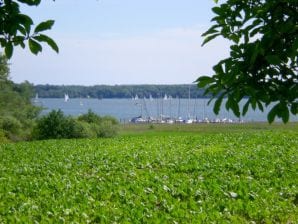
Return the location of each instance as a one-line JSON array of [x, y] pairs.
[[126, 109]]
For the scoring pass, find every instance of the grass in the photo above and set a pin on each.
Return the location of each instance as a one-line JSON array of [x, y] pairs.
[[203, 128], [201, 174]]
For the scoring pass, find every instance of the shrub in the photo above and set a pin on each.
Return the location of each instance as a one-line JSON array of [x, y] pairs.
[[10, 124], [12, 128], [98, 126], [55, 125], [90, 117], [151, 126], [111, 119], [3, 138], [84, 130], [107, 129]]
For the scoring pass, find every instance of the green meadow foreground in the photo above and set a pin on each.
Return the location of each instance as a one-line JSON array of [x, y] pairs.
[[155, 174]]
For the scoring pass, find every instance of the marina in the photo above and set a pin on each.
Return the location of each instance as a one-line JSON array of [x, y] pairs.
[[152, 110]]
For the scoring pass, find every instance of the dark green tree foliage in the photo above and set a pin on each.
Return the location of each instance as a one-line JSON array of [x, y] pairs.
[[4, 70], [16, 28], [55, 125], [263, 62], [90, 117], [119, 91], [97, 126], [17, 114]]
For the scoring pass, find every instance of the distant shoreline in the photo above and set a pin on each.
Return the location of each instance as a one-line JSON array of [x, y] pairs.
[[120, 91]]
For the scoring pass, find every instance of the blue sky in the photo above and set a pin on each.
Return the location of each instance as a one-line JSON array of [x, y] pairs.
[[121, 42]]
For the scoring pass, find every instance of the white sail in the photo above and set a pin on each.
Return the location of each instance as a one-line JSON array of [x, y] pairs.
[[151, 98], [36, 98], [66, 97]]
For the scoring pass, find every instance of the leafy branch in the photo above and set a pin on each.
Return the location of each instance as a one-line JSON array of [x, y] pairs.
[[263, 62], [15, 28]]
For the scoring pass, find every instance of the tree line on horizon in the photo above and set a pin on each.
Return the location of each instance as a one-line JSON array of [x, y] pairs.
[[119, 91]]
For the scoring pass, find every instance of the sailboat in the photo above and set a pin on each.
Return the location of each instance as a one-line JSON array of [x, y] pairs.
[[36, 98], [179, 118], [150, 98], [165, 97], [66, 97], [188, 120]]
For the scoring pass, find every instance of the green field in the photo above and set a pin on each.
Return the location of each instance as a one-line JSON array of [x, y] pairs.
[[155, 174]]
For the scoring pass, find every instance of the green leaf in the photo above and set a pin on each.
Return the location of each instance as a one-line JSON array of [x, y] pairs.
[[285, 115], [217, 10], [204, 81], [294, 49], [48, 40], [44, 26], [255, 53], [235, 38], [245, 108], [209, 101], [22, 30], [260, 105], [217, 104], [8, 50], [218, 68], [26, 22], [211, 30], [23, 45], [255, 31], [272, 113], [18, 40], [253, 103], [207, 39], [30, 2], [232, 104], [2, 42], [273, 59], [294, 108], [35, 47], [295, 44]]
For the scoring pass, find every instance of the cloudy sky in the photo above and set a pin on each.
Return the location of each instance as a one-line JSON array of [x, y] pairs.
[[121, 42]]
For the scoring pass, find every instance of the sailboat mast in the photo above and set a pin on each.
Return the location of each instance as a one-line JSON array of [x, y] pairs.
[[178, 107], [188, 105]]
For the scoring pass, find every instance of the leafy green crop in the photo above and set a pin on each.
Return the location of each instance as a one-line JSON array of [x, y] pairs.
[[224, 178]]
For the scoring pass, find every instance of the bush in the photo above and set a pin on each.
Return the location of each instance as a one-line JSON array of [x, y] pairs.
[[107, 129], [84, 130], [10, 124], [12, 128], [151, 126], [3, 138], [111, 119], [55, 125], [90, 117]]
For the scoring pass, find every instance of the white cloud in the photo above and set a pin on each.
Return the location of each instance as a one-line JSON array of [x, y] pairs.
[[170, 56]]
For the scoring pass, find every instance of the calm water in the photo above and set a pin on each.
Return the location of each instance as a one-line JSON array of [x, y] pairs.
[[125, 109]]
